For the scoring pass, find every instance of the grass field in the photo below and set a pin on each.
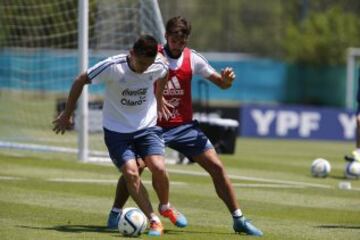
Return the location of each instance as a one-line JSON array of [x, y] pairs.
[[55, 197]]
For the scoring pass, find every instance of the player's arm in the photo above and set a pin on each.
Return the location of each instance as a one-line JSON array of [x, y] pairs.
[[200, 66], [63, 121], [225, 79], [162, 105]]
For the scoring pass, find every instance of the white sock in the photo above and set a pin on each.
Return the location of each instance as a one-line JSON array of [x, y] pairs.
[[237, 213], [117, 210], [154, 218], [164, 207]]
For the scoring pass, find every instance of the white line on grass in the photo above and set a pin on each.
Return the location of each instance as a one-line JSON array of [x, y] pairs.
[[83, 180], [196, 173], [10, 178], [100, 181], [261, 185]]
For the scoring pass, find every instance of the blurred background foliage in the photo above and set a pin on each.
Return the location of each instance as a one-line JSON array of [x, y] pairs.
[[315, 32], [299, 31]]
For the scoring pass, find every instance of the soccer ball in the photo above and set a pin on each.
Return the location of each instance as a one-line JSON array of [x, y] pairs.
[[320, 168], [132, 222], [352, 170]]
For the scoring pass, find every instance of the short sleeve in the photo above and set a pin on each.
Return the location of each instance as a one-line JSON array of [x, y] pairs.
[[162, 66], [200, 65], [101, 72]]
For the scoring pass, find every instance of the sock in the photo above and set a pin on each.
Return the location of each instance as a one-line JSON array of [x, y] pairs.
[[154, 218], [117, 210], [164, 207], [237, 213]]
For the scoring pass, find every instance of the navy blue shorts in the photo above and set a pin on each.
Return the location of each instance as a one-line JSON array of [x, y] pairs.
[[123, 146], [187, 139]]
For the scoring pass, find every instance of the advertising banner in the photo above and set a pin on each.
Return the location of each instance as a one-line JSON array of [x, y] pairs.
[[297, 122]]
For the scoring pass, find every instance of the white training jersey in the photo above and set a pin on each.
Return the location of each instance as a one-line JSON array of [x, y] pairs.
[[129, 101], [199, 64]]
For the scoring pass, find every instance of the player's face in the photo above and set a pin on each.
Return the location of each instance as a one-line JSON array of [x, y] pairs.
[[140, 63], [176, 44]]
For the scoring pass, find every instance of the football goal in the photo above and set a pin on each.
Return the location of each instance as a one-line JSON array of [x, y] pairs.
[[44, 45], [352, 73]]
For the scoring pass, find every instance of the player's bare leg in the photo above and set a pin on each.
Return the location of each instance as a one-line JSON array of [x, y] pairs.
[[139, 194], [210, 161], [356, 152], [212, 164], [355, 156], [135, 188], [122, 194], [160, 181]]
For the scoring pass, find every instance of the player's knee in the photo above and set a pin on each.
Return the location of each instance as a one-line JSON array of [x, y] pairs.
[[218, 169], [159, 170], [215, 169], [131, 175], [156, 165]]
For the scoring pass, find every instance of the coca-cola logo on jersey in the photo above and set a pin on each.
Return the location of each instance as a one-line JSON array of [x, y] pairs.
[[173, 88], [134, 92], [134, 97]]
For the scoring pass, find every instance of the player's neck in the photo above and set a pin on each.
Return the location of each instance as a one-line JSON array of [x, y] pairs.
[[168, 52], [129, 63]]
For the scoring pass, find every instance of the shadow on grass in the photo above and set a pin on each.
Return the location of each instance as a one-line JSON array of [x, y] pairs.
[[339, 177], [103, 229], [182, 231], [74, 228], [339, 226]]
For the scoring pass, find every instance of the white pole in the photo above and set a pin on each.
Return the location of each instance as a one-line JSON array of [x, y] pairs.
[[160, 21], [83, 146], [349, 78]]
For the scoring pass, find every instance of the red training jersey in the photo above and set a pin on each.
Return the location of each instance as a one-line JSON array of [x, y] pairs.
[[178, 92]]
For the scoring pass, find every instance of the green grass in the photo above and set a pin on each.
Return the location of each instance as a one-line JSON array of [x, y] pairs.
[[26, 117], [271, 179]]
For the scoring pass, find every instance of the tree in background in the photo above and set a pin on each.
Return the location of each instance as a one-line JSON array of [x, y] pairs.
[[232, 25], [322, 38], [282, 29], [304, 31]]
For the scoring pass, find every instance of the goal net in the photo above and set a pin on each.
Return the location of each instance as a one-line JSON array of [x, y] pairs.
[[39, 61]]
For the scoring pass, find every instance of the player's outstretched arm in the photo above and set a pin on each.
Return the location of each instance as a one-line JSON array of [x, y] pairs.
[[162, 105], [225, 79], [63, 121]]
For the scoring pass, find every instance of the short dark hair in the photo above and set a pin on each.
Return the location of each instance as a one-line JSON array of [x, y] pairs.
[[178, 26], [145, 46]]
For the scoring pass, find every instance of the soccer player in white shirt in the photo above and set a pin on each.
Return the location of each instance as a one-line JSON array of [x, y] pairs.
[[129, 118], [181, 132]]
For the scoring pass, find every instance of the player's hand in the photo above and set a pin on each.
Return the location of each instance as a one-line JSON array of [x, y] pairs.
[[62, 123], [164, 109], [228, 76]]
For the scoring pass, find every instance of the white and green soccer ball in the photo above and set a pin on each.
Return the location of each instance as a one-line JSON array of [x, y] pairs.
[[132, 222], [352, 170], [320, 167]]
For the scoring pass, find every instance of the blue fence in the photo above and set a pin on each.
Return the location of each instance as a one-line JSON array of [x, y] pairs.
[[258, 80]]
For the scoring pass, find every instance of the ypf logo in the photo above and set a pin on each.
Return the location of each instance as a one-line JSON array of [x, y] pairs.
[[173, 87]]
